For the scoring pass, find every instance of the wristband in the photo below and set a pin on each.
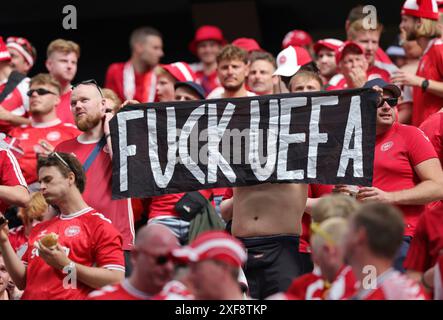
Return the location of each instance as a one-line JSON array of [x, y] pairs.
[[425, 84]]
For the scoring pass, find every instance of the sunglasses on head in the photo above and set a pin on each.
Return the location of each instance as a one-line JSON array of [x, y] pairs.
[[89, 82], [59, 158], [39, 91], [392, 102]]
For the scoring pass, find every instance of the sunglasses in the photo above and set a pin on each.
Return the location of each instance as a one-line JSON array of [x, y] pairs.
[[59, 158], [159, 259], [392, 102], [89, 82], [39, 91]]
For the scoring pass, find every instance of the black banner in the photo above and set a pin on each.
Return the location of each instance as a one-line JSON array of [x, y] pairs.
[[318, 137]]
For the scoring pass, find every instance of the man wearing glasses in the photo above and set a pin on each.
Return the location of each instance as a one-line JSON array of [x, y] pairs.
[[407, 171], [87, 251], [94, 144], [46, 129], [153, 267]]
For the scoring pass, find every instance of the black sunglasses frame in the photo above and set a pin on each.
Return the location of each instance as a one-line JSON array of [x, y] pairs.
[[40, 92], [88, 82], [392, 102]]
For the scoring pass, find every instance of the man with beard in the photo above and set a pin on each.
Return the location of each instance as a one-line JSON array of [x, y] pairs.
[[153, 266], [93, 149], [45, 130], [135, 79], [74, 252], [419, 21], [61, 62]]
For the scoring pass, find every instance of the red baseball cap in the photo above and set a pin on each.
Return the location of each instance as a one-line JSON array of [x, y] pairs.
[[181, 71], [206, 33], [347, 45], [215, 245], [440, 6], [329, 43], [290, 60], [247, 44], [421, 9], [4, 53], [296, 38]]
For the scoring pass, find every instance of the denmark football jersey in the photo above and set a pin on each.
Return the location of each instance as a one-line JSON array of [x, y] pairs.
[[433, 128], [430, 67], [17, 102], [10, 173], [208, 82], [88, 238], [63, 109], [397, 152], [121, 291], [427, 243], [30, 137], [98, 190], [174, 290]]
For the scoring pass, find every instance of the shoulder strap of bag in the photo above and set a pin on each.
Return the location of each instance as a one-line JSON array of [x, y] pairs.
[[94, 153], [13, 80]]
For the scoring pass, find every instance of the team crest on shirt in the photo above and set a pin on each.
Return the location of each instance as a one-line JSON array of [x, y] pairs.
[[386, 146], [53, 136], [24, 136], [72, 231]]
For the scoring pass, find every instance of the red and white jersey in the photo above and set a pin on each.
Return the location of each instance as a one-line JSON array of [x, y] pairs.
[[128, 84], [392, 285], [429, 67], [339, 82], [10, 173], [344, 285], [174, 290], [438, 279], [63, 109], [88, 238], [382, 61], [427, 243], [433, 128], [310, 286], [164, 206], [218, 92], [397, 152], [98, 191], [30, 137], [208, 82], [17, 102], [17, 237], [121, 291]]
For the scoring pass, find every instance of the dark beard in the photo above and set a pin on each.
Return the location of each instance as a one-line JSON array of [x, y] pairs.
[[88, 123], [411, 36]]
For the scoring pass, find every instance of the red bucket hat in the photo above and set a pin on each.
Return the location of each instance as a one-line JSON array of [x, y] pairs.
[[206, 33]]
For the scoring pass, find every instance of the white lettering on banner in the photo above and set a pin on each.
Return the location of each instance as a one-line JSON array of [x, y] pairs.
[[286, 139], [183, 144], [353, 128], [215, 134], [263, 173], [315, 136], [161, 179], [125, 150]]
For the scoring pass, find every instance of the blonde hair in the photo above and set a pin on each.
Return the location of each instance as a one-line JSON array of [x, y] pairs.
[[46, 78], [428, 29], [358, 26], [308, 74], [335, 205], [331, 231], [111, 95], [231, 52], [35, 208], [65, 46]]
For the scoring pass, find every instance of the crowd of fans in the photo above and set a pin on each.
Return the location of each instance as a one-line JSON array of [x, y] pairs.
[[63, 237]]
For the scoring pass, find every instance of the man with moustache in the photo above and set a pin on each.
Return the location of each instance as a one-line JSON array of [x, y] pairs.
[[88, 108], [260, 79]]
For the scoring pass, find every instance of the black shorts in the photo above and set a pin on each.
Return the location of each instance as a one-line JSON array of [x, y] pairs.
[[273, 262]]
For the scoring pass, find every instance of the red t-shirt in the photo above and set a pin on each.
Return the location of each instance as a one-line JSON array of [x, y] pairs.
[[89, 239], [10, 173], [397, 152], [63, 109], [17, 102], [338, 82], [208, 82], [165, 205], [433, 128], [17, 237], [392, 285], [122, 291], [174, 290], [430, 67], [121, 77], [98, 191], [382, 61], [29, 136], [427, 244]]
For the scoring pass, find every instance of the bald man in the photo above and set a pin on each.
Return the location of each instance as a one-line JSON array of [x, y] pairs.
[[152, 266]]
